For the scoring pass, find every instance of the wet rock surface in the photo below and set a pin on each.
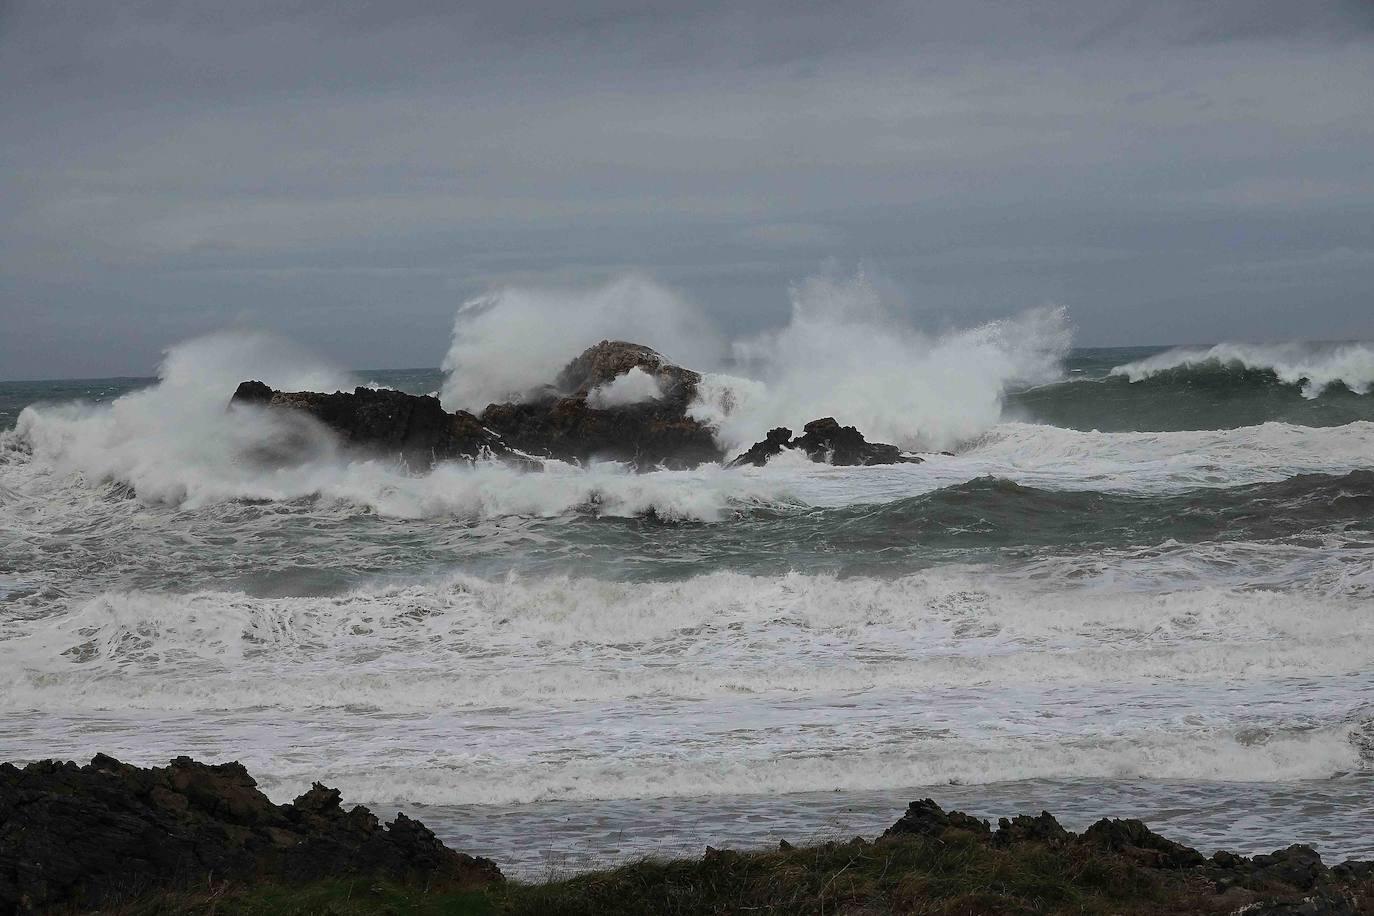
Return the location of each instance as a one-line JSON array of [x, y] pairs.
[[609, 360], [825, 441], [572, 419], [392, 423], [616, 401], [646, 436], [85, 836]]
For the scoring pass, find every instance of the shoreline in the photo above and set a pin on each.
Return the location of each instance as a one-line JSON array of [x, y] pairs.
[[200, 838]]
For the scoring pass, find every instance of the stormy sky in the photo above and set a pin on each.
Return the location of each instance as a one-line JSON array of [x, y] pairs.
[[348, 173]]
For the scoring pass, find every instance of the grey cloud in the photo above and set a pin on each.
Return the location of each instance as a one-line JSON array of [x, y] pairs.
[[173, 167]]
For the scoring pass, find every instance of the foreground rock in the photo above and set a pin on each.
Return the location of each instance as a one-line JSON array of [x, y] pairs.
[[201, 839], [1288, 881], [87, 836], [826, 441]]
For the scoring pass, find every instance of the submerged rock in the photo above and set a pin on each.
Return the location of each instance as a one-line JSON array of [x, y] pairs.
[[89, 836], [826, 441]]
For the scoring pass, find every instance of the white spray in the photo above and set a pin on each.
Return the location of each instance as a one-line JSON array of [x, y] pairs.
[[1312, 366], [845, 354], [518, 338]]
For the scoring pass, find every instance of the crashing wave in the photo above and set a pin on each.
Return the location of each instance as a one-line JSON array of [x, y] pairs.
[[1313, 368]]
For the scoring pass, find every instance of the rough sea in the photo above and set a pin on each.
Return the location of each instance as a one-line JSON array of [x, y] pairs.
[[1129, 582]]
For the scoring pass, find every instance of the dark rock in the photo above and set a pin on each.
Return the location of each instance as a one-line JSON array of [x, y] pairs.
[[568, 426], [252, 393], [1354, 870], [610, 359], [1297, 866], [926, 818], [563, 421], [1289, 882], [828, 441], [89, 836], [414, 427], [1023, 828], [825, 440], [759, 453], [1142, 844], [647, 435]]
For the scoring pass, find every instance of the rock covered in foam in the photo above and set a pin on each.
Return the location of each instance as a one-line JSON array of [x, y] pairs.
[[607, 361], [615, 401], [567, 420], [88, 836], [826, 441]]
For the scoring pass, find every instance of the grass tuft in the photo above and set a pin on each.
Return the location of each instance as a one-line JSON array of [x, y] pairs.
[[953, 874]]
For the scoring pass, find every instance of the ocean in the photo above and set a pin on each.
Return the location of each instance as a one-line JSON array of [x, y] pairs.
[[1124, 582]]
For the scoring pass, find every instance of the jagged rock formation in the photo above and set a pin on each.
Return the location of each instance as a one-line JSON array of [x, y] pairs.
[[610, 359], [1287, 881], [88, 836], [617, 401], [569, 420], [566, 421], [415, 427], [826, 441]]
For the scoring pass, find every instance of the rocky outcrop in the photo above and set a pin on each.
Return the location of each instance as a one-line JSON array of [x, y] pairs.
[[772, 445], [578, 418], [926, 818], [616, 401], [392, 423], [646, 436], [1287, 881], [572, 421], [1133, 838], [87, 836], [609, 360], [825, 441]]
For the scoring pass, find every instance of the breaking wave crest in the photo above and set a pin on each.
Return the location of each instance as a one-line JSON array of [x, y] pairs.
[[1311, 368], [844, 352]]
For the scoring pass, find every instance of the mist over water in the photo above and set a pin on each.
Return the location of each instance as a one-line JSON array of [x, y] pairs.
[[1134, 566]]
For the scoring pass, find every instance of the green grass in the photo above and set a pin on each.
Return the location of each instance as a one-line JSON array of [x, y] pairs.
[[955, 874]]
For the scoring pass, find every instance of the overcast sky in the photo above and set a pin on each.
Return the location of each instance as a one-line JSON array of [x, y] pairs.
[[349, 173]]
